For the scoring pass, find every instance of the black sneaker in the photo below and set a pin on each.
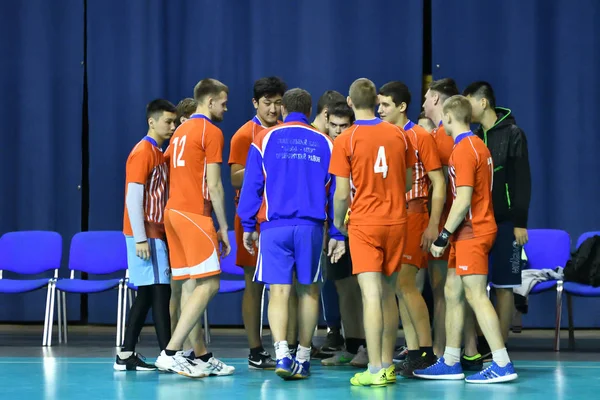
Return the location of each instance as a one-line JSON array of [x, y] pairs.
[[400, 353], [261, 360], [409, 365], [135, 362], [475, 364], [333, 342]]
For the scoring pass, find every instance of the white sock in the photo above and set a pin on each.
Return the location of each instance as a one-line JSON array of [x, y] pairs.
[[282, 350], [451, 355], [124, 355], [500, 357], [303, 354]]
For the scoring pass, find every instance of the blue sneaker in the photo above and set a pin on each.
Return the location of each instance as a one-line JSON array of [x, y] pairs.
[[440, 370], [301, 370], [285, 367], [494, 374]]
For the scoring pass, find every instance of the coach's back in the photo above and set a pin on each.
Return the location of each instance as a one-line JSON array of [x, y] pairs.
[[376, 154], [294, 159]]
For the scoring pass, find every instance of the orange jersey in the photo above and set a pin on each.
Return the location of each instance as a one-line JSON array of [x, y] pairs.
[[444, 143], [194, 145], [471, 165], [427, 160], [240, 145], [146, 165], [375, 155]]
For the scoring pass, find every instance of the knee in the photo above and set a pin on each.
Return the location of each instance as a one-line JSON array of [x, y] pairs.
[[475, 296], [213, 285], [453, 290]]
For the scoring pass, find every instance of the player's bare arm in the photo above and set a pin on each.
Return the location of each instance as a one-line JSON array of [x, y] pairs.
[[217, 198], [341, 199], [437, 200], [237, 175], [459, 210]]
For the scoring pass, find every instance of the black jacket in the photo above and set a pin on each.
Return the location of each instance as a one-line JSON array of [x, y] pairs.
[[512, 177]]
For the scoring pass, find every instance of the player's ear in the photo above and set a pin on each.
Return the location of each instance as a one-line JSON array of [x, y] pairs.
[[255, 103], [349, 101], [403, 107]]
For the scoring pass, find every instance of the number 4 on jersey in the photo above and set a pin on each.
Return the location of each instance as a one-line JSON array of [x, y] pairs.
[[178, 160], [381, 166]]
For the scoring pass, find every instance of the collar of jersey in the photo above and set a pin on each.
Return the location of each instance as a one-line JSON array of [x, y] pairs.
[[296, 117], [368, 122], [462, 136]]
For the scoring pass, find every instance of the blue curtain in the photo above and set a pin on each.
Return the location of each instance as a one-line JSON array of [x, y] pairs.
[[139, 50], [41, 75], [541, 58]]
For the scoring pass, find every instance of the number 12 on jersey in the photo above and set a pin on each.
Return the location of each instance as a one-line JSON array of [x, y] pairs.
[[178, 160], [381, 166]]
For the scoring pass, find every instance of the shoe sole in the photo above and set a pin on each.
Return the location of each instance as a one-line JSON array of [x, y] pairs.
[[123, 368], [283, 373], [250, 366], [453, 377], [500, 379]]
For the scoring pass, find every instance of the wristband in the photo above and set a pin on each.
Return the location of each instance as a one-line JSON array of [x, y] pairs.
[[442, 239]]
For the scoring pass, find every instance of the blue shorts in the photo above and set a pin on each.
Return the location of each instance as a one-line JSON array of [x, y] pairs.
[[153, 271], [284, 250]]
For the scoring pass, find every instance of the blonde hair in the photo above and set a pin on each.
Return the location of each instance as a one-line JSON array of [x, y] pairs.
[[363, 94], [460, 107]]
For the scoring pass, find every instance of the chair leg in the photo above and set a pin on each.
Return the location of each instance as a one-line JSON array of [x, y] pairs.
[[51, 321], [206, 328], [559, 291], [47, 315], [64, 305], [262, 310], [571, 329], [59, 311], [119, 310], [126, 306]]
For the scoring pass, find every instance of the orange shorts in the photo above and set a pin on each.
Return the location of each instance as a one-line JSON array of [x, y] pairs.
[[193, 245], [413, 254], [471, 255], [376, 248], [242, 257]]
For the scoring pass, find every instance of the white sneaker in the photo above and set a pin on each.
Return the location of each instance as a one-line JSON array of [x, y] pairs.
[[361, 359], [214, 367], [339, 358], [179, 365]]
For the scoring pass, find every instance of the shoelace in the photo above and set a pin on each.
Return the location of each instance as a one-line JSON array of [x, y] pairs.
[[488, 373]]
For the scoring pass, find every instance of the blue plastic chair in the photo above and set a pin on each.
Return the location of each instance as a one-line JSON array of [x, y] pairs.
[[227, 286], [18, 256], [549, 249], [98, 253], [578, 290]]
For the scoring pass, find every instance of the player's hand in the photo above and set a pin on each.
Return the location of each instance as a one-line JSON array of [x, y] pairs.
[[250, 239], [142, 250], [437, 251], [223, 238], [521, 236], [335, 250], [429, 236]]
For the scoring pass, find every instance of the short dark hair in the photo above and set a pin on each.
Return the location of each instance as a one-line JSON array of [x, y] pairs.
[[363, 94], [297, 100], [398, 91], [481, 89], [446, 87], [185, 108], [155, 108], [268, 87], [328, 98], [460, 107], [341, 109], [208, 87]]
